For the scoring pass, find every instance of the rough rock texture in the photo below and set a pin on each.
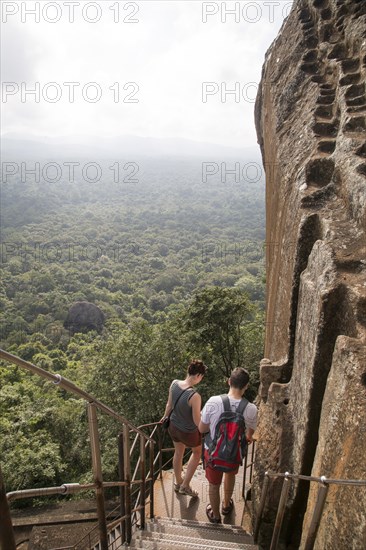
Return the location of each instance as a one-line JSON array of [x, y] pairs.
[[311, 126], [84, 316]]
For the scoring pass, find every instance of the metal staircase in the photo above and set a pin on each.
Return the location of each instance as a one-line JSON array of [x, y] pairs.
[[134, 523], [171, 533]]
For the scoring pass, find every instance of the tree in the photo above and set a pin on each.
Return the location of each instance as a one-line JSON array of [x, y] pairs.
[[227, 325], [136, 366], [43, 441]]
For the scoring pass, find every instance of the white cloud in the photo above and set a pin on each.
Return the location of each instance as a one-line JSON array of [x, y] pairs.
[[169, 53]]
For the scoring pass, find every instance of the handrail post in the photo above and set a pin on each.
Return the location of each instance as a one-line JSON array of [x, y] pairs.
[[143, 482], [97, 474], [7, 539], [261, 507], [151, 454], [245, 472], [252, 461], [280, 512], [160, 452], [127, 475], [317, 514], [121, 471], [250, 452]]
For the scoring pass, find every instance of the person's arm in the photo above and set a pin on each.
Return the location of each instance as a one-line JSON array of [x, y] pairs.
[[204, 425], [203, 428], [249, 435], [251, 421], [195, 403]]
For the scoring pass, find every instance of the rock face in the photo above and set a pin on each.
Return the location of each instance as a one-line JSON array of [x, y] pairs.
[[311, 126], [84, 316]]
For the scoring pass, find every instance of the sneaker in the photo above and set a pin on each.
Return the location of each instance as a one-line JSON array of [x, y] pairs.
[[188, 491]]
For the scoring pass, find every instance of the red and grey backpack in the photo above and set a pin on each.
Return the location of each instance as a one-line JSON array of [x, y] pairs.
[[227, 449]]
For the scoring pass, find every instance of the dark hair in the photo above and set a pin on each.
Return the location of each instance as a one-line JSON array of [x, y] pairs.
[[196, 366], [239, 378]]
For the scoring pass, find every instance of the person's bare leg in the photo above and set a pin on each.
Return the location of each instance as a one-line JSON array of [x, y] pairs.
[[178, 461], [214, 496], [192, 466], [229, 484]]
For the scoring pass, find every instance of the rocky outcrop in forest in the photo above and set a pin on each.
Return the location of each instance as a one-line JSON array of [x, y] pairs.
[[311, 126], [84, 316]]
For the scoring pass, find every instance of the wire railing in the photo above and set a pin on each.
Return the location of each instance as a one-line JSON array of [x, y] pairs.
[[288, 479]]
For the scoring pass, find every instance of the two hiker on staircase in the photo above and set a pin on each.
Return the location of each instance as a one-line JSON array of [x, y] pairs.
[[228, 421]]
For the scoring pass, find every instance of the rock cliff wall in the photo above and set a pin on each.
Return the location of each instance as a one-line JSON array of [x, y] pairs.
[[311, 126]]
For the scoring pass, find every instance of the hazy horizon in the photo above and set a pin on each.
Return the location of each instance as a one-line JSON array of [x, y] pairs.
[[16, 146], [148, 70]]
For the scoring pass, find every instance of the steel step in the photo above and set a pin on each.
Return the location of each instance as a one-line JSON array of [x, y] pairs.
[[184, 539], [224, 527], [206, 531], [173, 533], [171, 544]]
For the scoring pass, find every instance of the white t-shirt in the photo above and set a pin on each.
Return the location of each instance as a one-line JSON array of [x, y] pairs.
[[214, 408]]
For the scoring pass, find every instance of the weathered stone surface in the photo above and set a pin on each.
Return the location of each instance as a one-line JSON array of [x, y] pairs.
[[84, 316], [310, 117], [341, 450]]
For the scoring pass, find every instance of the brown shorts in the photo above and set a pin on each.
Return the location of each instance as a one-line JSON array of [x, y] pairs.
[[190, 439]]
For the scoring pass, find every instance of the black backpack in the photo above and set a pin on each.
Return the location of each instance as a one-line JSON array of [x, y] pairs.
[[228, 447]]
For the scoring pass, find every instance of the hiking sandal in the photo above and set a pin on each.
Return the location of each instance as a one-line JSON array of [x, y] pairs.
[[211, 517], [176, 487], [225, 510], [188, 491]]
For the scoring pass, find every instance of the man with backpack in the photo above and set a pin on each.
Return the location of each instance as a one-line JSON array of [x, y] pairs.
[[230, 421]]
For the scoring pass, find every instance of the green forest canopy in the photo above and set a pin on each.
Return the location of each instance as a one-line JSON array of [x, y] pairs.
[[168, 259]]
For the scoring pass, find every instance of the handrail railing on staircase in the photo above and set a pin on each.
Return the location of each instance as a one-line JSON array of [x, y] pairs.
[[131, 508], [249, 459], [100, 536], [288, 478], [98, 485]]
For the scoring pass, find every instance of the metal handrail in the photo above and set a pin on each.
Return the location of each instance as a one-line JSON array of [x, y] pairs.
[[65, 384], [64, 489], [288, 478], [321, 479], [98, 485], [132, 517], [249, 459], [126, 512], [161, 450]]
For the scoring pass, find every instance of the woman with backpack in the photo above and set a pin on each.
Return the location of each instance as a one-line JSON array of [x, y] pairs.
[[183, 409]]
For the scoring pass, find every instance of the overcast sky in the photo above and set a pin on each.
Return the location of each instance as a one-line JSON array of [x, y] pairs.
[[161, 52]]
